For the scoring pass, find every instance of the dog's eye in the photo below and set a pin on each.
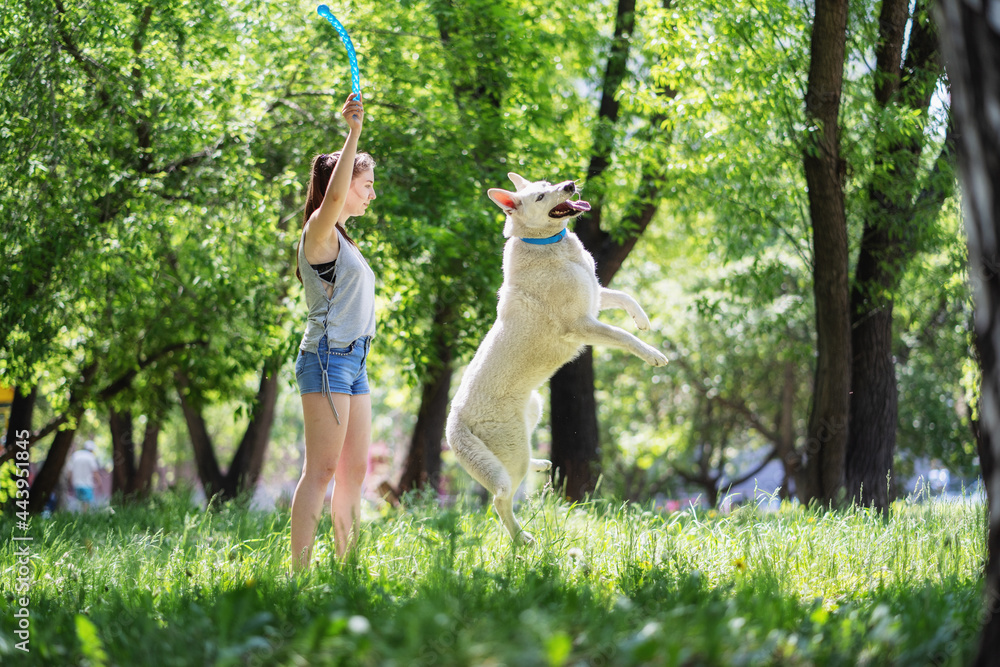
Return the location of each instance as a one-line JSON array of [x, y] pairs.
[[541, 197]]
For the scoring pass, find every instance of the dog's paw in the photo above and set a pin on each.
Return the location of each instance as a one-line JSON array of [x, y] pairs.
[[525, 538], [541, 465], [641, 321], [655, 358]]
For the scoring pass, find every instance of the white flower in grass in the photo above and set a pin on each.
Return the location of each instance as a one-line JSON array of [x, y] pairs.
[[358, 625]]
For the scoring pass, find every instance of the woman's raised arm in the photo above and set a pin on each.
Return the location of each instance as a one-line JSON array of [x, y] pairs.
[[321, 226]]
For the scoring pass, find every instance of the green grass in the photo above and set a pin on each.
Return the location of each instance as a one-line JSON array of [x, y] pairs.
[[167, 583]]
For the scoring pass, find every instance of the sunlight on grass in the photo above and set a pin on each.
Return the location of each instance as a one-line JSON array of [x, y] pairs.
[[169, 583]]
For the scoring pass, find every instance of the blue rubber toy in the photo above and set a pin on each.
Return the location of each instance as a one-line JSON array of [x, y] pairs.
[[325, 12]]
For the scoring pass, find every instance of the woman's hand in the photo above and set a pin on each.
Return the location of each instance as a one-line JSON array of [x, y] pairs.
[[354, 112], [323, 221]]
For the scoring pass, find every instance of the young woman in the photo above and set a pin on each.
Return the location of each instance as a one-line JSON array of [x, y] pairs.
[[333, 380]]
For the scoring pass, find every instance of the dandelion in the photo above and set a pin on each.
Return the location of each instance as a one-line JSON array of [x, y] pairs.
[[740, 564], [359, 625]]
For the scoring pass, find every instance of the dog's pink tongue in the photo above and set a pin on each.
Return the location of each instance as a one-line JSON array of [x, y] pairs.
[[578, 205]]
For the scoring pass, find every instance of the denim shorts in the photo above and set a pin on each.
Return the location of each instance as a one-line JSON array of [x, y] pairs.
[[345, 368]]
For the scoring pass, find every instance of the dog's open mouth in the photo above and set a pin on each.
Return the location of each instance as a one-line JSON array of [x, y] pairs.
[[569, 207]]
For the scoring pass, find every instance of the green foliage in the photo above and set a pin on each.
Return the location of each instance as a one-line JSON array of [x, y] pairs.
[[169, 149], [90, 643], [726, 269], [729, 255], [8, 481], [731, 347], [140, 240], [935, 359], [461, 94], [739, 71], [153, 162], [167, 584]]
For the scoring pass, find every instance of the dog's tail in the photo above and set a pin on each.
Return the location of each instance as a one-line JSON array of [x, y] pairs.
[[477, 459]]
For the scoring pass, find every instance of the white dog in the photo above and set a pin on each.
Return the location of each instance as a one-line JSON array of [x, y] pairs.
[[547, 313]]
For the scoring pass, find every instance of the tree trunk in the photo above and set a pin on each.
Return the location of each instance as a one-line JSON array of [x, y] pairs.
[[148, 459], [48, 477], [123, 452], [575, 448], [573, 408], [888, 243], [712, 493], [244, 471], [206, 464], [571, 389], [971, 43], [874, 407], [574, 427], [984, 449], [423, 460], [21, 411], [126, 478], [479, 92], [874, 394], [82, 389], [827, 431]]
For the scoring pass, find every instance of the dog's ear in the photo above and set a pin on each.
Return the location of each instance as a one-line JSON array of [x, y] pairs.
[[508, 201], [519, 182]]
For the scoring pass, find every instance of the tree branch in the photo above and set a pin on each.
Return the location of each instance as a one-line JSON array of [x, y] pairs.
[[588, 226], [87, 64], [767, 459], [204, 453], [736, 405], [125, 380], [923, 58], [115, 387], [86, 378], [700, 480], [940, 181]]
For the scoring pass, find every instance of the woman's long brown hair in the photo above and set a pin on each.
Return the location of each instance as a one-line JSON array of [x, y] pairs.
[[320, 175]]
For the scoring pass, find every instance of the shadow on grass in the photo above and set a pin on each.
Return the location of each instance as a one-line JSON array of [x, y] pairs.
[[174, 585], [516, 618]]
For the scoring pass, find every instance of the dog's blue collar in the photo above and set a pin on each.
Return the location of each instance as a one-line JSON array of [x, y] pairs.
[[546, 241]]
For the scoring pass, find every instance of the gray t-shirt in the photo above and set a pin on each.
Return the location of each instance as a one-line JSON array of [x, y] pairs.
[[347, 315]]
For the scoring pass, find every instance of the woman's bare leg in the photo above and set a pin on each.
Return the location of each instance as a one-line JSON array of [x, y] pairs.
[[324, 443], [345, 506]]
